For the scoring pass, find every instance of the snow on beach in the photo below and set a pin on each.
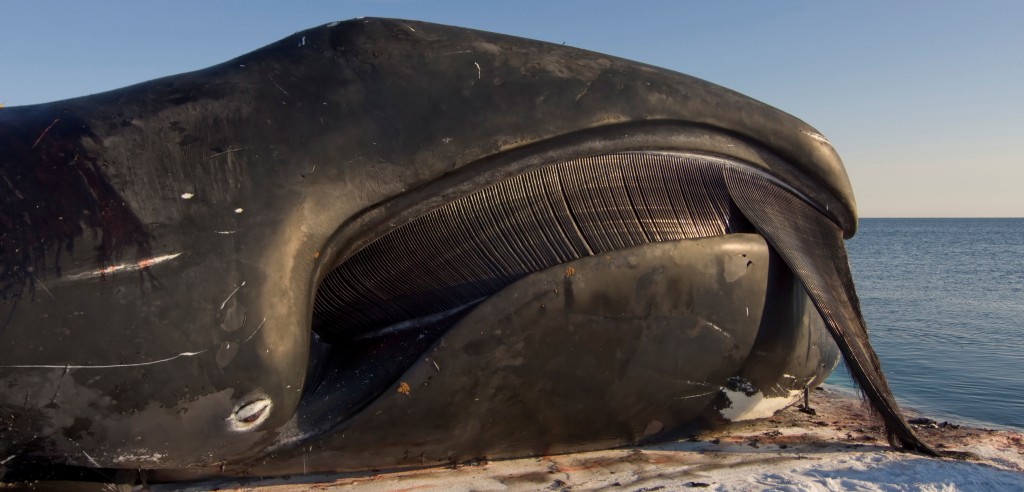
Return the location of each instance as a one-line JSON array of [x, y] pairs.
[[839, 448], [643, 470]]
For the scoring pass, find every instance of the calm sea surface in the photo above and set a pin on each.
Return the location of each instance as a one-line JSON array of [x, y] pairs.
[[944, 304]]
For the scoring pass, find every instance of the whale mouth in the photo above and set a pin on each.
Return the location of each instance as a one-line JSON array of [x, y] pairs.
[[474, 246], [383, 307], [400, 293]]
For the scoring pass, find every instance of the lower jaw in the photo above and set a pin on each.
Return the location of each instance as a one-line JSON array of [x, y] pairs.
[[634, 345]]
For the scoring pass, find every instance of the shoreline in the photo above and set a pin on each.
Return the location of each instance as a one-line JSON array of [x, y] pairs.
[[841, 446]]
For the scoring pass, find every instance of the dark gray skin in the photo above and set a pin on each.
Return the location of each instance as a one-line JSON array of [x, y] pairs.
[[161, 245]]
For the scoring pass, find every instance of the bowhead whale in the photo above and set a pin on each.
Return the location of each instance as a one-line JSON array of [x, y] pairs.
[[385, 243]]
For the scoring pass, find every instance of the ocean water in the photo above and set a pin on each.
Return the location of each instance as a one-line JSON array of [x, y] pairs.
[[944, 304]]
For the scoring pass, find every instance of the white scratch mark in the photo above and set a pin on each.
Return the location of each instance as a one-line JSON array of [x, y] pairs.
[[109, 366], [478, 73], [303, 42], [817, 136], [225, 232], [584, 92], [41, 135], [187, 196], [410, 27], [9, 458], [695, 396], [278, 86], [225, 303], [239, 210], [698, 383], [256, 330], [459, 52], [417, 322], [43, 286], [435, 365], [124, 267], [723, 332], [230, 150], [94, 463], [447, 140], [748, 311], [333, 24]]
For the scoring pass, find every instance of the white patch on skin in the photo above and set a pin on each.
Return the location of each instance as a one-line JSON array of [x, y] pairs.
[[145, 456], [745, 407]]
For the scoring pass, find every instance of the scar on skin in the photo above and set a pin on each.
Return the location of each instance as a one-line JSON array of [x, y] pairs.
[[232, 294], [109, 366]]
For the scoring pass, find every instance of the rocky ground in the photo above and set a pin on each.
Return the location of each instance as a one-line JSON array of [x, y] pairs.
[[839, 447]]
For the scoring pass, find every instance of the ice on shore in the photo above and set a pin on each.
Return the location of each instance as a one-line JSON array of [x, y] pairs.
[[865, 471]]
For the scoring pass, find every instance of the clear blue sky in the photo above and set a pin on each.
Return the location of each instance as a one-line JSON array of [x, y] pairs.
[[923, 100]]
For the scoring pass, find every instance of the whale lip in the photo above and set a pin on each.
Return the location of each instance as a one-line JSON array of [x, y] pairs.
[[421, 58], [694, 101]]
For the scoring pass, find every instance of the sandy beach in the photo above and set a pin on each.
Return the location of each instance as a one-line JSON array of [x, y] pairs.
[[840, 447]]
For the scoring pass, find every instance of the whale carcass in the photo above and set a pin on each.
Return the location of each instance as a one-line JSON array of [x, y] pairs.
[[384, 243]]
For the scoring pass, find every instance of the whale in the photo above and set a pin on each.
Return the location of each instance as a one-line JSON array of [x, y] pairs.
[[384, 243]]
